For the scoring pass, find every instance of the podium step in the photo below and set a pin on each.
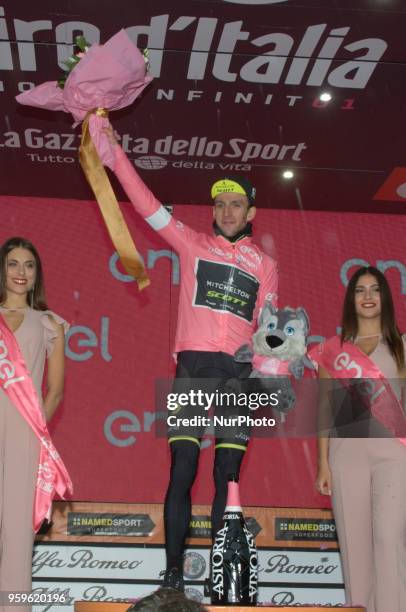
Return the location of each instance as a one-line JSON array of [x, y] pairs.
[[100, 606]]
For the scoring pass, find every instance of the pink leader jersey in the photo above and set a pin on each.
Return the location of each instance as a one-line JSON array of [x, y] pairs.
[[222, 286]]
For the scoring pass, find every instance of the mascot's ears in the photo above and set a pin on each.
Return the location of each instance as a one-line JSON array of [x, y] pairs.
[[267, 312], [301, 314]]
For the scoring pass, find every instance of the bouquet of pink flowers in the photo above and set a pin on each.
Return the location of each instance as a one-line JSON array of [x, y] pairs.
[[107, 76], [101, 78]]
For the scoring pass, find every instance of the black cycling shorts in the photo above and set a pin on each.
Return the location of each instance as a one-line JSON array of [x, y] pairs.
[[209, 379]]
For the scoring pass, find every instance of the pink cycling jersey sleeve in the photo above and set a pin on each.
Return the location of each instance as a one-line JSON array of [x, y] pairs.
[[268, 291], [145, 203], [206, 261]]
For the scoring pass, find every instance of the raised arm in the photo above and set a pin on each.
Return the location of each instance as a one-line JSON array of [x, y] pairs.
[[143, 200]]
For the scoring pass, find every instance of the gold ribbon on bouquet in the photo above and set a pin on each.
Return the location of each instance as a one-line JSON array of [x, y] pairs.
[[107, 201]]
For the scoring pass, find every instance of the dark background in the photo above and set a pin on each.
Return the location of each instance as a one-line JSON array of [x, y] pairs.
[[351, 144]]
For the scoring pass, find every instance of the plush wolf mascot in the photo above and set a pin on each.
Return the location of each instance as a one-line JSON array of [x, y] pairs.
[[278, 352]]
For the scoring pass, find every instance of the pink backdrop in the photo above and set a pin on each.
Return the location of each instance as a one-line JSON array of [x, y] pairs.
[[121, 340]]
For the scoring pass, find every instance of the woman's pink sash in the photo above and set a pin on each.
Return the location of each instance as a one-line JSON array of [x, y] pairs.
[[346, 362], [17, 384]]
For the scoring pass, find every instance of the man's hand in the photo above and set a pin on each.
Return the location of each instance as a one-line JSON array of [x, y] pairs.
[[111, 134], [103, 139]]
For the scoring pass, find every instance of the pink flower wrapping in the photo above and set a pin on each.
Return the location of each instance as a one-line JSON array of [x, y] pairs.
[[107, 77], [111, 76]]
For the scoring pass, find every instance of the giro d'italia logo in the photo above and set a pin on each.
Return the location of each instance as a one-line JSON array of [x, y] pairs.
[[255, 1], [150, 162]]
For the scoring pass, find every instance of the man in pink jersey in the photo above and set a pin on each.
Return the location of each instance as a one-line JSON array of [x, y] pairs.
[[225, 279]]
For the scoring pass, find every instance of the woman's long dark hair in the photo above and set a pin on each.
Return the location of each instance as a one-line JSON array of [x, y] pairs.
[[36, 296], [390, 331]]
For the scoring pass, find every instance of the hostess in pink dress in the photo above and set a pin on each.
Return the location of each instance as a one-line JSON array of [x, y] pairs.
[[369, 503], [19, 456]]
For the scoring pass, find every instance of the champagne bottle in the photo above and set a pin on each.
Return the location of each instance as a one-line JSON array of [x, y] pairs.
[[234, 559]]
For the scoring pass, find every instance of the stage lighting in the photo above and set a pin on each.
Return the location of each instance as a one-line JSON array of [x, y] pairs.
[[325, 97]]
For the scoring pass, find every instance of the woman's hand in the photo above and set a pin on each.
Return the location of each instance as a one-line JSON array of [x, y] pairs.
[[323, 480]]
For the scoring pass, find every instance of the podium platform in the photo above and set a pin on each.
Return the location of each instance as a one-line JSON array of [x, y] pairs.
[[100, 606]]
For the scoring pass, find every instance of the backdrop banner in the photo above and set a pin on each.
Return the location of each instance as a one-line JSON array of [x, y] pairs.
[[120, 343], [236, 88]]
